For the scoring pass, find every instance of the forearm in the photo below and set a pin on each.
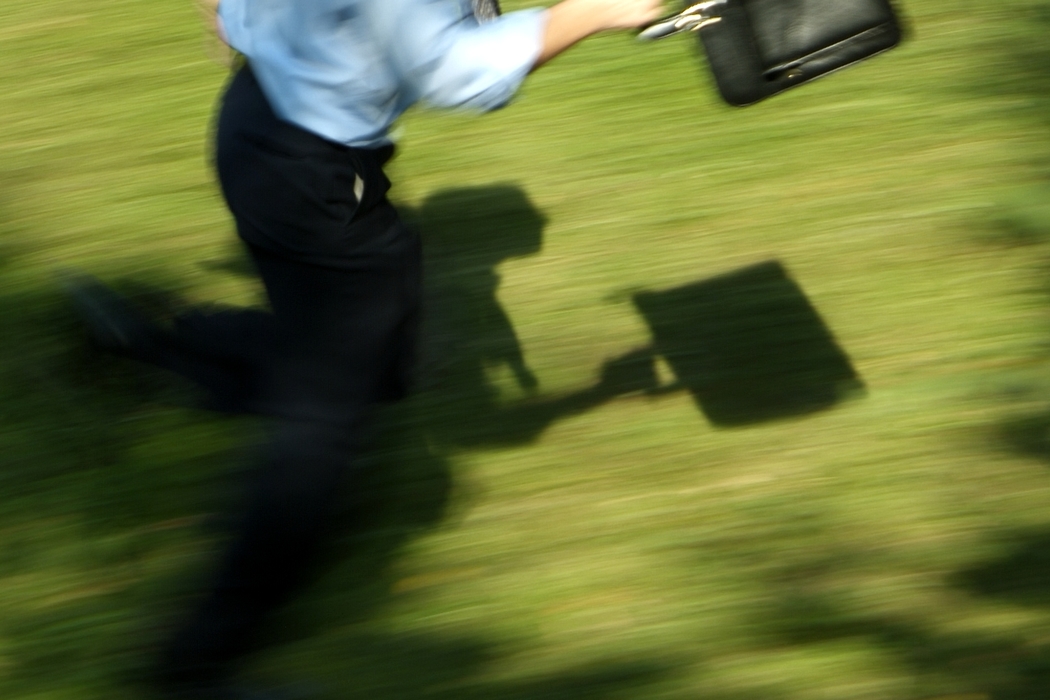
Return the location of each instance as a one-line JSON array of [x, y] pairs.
[[568, 23], [571, 21]]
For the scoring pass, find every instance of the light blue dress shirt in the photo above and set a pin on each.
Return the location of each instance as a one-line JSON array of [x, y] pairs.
[[346, 69]]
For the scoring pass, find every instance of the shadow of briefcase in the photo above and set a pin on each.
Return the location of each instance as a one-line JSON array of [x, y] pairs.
[[749, 346]]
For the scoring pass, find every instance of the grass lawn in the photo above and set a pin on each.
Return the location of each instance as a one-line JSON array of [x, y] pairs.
[[574, 539]]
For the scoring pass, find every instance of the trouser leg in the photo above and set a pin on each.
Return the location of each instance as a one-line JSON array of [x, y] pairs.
[[291, 503], [225, 352], [341, 343]]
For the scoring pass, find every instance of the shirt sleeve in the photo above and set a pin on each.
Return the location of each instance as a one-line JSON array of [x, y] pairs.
[[233, 23], [445, 58]]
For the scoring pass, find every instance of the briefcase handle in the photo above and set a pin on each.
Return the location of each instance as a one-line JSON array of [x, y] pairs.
[[691, 19]]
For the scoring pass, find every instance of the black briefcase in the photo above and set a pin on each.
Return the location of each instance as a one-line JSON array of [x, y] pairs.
[[757, 48]]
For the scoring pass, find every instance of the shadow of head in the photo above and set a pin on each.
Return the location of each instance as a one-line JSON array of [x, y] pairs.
[[487, 224]]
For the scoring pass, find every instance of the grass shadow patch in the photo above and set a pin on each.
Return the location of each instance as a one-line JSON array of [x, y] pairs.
[[808, 609], [1021, 574]]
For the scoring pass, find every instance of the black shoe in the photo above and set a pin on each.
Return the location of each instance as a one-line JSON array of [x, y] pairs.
[[112, 322]]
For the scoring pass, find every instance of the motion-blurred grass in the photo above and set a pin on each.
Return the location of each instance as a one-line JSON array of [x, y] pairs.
[[896, 547]]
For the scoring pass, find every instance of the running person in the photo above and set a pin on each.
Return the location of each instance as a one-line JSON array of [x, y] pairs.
[[302, 138]]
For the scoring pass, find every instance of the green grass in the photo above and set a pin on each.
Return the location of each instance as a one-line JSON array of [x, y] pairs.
[[567, 544]]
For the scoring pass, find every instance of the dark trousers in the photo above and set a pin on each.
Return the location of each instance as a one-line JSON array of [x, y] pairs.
[[342, 275]]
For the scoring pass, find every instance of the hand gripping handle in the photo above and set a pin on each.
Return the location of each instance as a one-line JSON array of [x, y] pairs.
[[691, 19]]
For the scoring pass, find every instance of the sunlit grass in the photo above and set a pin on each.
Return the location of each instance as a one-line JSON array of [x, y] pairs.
[[891, 548]]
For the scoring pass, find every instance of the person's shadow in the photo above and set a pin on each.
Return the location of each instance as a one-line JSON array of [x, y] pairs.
[[467, 334]]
